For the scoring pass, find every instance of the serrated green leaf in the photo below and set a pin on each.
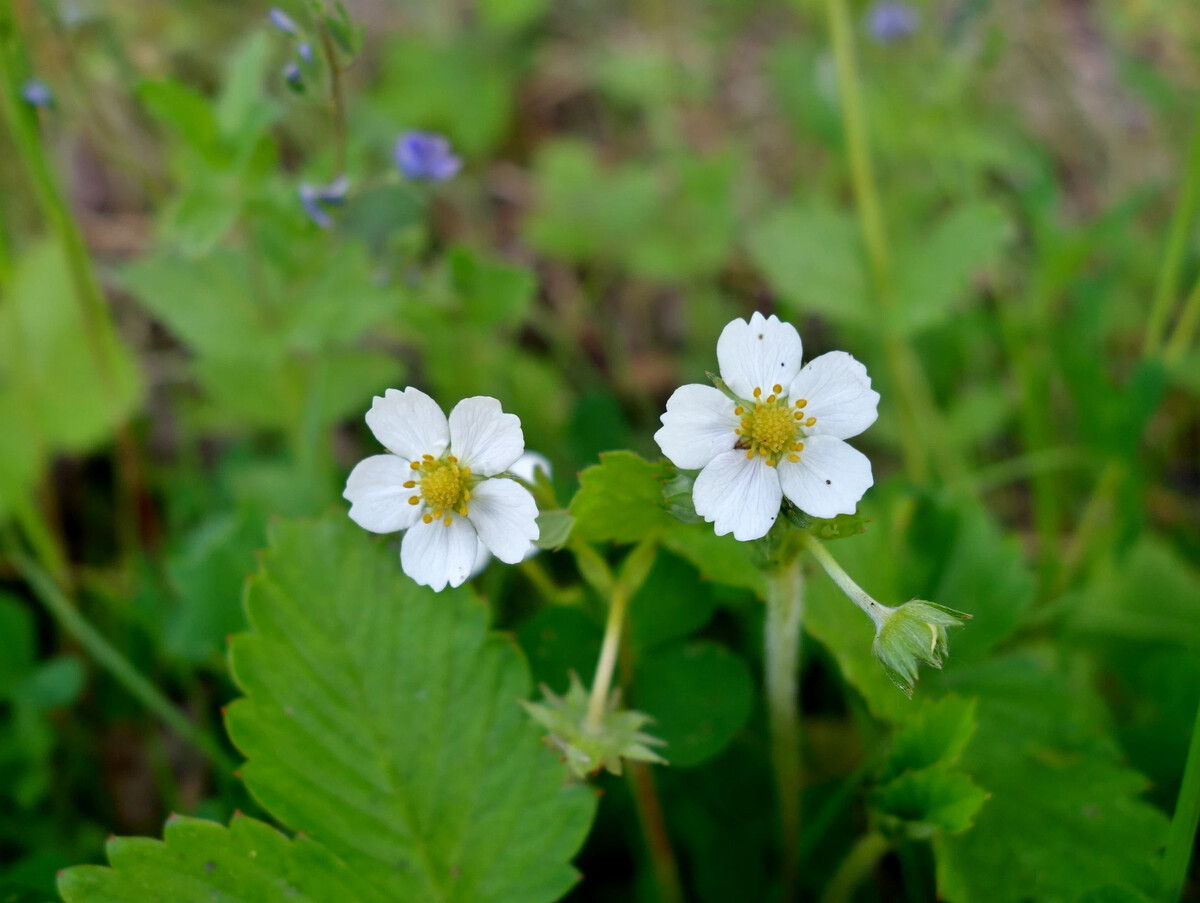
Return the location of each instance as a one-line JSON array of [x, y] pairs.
[[201, 860], [381, 720], [187, 113], [699, 694], [1059, 794], [620, 499], [813, 257], [936, 735], [922, 804]]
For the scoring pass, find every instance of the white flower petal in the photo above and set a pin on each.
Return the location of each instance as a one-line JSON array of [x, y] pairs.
[[698, 425], [839, 395], [483, 437], [482, 559], [409, 423], [527, 466], [739, 495], [434, 554], [505, 517], [377, 497], [829, 478], [759, 354]]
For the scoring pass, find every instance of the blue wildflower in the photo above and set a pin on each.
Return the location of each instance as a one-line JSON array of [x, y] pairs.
[[426, 156], [291, 75], [304, 50], [889, 22], [315, 198], [282, 20], [37, 93]]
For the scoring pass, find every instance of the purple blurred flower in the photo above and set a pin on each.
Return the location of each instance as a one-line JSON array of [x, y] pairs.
[[37, 93], [315, 198], [281, 20], [889, 22], [426, 156], [304, 50], [291, 75]]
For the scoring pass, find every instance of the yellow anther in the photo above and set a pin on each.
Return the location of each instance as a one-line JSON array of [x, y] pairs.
[[415, 466], [452, 459], [797, 446], [739, 410], [428, 518], [437, 513], [737, 432], [745, 424], [749, 453], [466, 495], [446, 522], [793, 458], [770, 462], [757, 391], [798, 415], [777, 388], [466, 472], [414, 500], [463, 510], [427, 457], [801, 402], [770, 399], [762, 450], [810, 421], [409, 484]]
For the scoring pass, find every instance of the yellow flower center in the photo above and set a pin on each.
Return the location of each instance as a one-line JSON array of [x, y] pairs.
[[772, 427], [443, 486]]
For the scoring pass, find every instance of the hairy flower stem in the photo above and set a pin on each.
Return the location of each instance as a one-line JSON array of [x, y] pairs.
[[602, 682], [1182, 835], [872, 609], [106, 656], [781, 656], [859, 863]]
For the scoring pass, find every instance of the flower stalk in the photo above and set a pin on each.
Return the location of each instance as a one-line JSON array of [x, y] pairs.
[[602, 682], [784, 617]]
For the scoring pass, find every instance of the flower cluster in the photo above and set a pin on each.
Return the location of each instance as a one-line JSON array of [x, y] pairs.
[[776, 430]]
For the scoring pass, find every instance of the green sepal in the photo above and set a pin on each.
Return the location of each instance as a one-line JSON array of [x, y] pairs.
[[913, 634], [585, 749]]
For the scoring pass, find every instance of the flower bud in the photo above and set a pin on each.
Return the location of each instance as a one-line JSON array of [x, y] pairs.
[[911, 634]]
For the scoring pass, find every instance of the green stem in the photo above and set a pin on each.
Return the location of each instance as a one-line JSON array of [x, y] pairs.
[[105, 655], [1095, 514], [872, 609], [1185, 327], [337, 98], [1181, 838], [858, 865], [1168, 275], [654, 830], [781, 661], [602, 682], [912, 388]]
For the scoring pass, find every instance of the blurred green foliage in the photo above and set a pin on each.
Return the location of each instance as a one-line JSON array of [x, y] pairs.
[[636, 175]]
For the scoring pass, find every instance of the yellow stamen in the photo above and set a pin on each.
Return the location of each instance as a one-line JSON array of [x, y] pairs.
[[801, 402], [427, 457], [428, 518], [463, 510], [757, 391], [446, 522], [810, 421], [777, 388], [770, 399], [409, 484], [793, 458], [452, 459], [798, 416], [415, 500], [437, 513], [739, 410], [415, 466], [770, 462], [749, 453]]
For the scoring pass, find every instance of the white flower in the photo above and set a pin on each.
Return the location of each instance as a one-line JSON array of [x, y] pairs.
[[782, 436], [526, 468], [440, 484]]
